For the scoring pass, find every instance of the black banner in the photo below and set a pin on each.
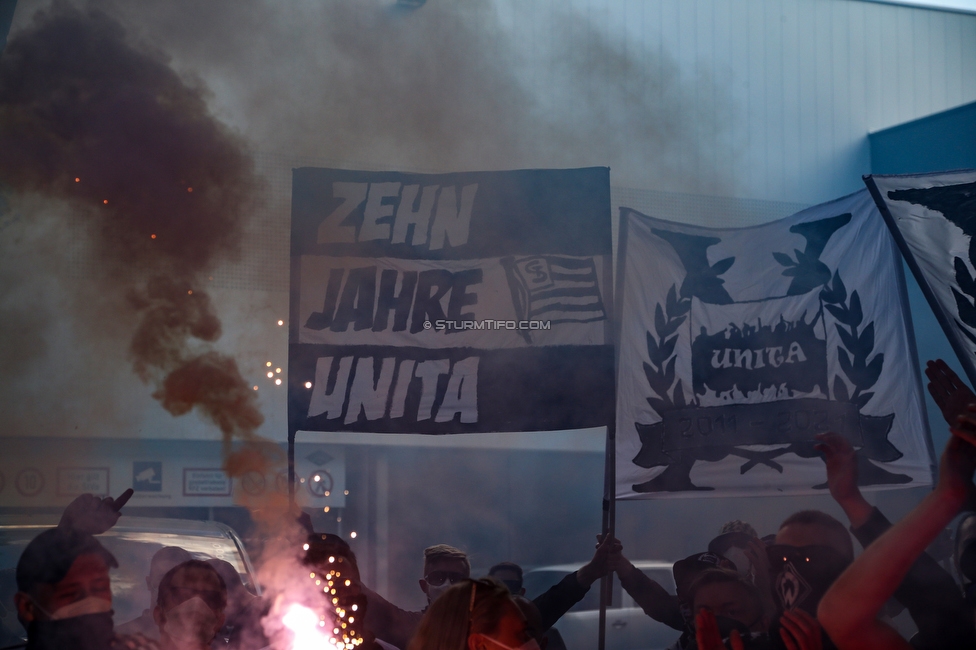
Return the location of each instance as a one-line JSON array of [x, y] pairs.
[[450, 303], [792, 421], [457, 216], [385, 389]]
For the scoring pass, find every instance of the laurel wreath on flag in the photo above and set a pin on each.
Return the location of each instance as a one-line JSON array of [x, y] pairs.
[[660, 352], [858, 346], [862, 371]]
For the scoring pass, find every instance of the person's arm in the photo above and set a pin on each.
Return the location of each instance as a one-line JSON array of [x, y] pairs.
[[648, 594], [92, 515], [387, 621], [570, 590], [841, 461], [849, 609], [928, 592]]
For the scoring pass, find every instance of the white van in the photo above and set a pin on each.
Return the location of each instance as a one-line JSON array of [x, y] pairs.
[[628, 627], [132, 541]]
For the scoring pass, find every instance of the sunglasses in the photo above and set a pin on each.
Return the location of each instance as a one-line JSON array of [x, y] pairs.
[[438, 578], [820, 556]]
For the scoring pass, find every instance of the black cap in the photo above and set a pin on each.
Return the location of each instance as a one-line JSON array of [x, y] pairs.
[[49, 556], [688, 569]]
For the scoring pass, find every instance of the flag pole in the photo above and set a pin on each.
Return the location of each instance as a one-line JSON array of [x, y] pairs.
[[610, 467], [609, 521], [605, 584]]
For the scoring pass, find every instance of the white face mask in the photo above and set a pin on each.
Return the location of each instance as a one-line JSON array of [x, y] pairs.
[[192, 621], [531, 644], [433, 593], [89, 605], [742, 562]]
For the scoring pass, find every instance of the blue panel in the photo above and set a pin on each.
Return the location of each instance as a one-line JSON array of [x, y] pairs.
[[6, 17], [938, 142]]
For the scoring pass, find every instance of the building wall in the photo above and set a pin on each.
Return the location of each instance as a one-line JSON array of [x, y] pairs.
[[795, 85]]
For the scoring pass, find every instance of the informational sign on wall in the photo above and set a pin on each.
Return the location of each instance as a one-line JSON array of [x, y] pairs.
[[162, 474]]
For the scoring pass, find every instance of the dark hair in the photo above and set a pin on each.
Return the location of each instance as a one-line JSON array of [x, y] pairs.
[[445, 551], [511, 566], [230, 576], [167, 558], [819, 518], [533, 617], [722, 576], [468, 607], [166, 584], [49, 556]]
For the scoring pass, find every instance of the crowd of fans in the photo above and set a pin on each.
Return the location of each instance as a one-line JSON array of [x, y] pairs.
[[799, 589]]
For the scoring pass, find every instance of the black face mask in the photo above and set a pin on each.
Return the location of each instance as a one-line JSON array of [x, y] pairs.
[[725, 627], [86, 632], [803, 574]]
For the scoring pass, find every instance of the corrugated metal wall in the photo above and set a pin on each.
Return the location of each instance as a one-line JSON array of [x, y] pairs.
[[794, 85]]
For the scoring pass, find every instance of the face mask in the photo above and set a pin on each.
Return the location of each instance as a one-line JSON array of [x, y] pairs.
[[531, 644], [433, 593], [89, 605], [191, 621], [803, 574], [83, 632], [726, 625]]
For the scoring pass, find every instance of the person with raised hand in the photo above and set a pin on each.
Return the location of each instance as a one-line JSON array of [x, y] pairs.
[[64, 591], [94, 515], [951, 394], [708, 636], [849, 610]]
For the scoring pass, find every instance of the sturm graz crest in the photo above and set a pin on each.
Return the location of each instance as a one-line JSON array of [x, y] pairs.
[[759, 370], [791, 587]]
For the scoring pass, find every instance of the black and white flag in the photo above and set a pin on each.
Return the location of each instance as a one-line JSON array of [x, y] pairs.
[[737, 346], [450, 303], [933, 219]]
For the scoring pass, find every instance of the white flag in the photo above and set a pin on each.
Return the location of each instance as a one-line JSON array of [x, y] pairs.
[[933, 219], [737, 346]]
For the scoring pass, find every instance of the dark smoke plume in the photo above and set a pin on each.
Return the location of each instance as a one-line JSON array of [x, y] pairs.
[[92, 120], [447, 87]]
